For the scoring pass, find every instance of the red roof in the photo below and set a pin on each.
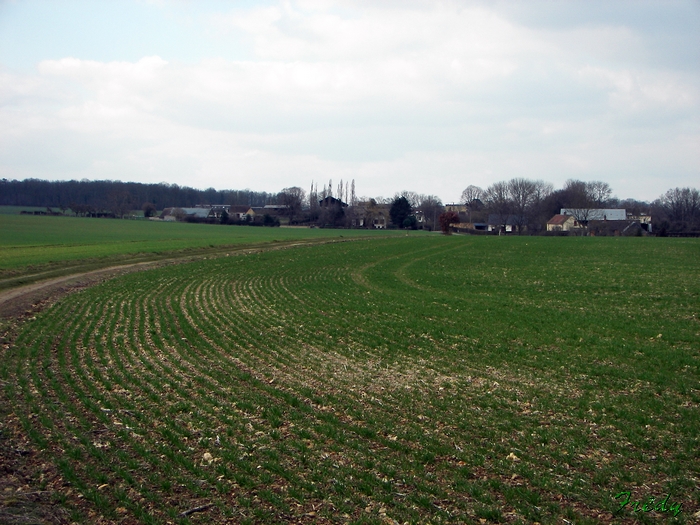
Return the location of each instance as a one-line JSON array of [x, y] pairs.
[[558, 220]]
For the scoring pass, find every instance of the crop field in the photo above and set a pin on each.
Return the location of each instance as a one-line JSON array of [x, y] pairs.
[[399, 380], [41, 240]]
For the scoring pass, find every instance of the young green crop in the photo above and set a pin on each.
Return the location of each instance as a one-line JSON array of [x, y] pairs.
[[40, 240], [420, 379]]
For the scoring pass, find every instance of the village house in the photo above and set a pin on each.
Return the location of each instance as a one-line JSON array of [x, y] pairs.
[[599, 222], [614, 228], [643, 220], [379, 220], [206, 213], [240, 213], [330, 202], [560, 223], [509, 225]]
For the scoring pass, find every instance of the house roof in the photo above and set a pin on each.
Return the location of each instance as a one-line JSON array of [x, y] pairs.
[[558, 220], [196, 212], [511, 220], [612, 225], [331, 201], [596, 214], [273, 211]]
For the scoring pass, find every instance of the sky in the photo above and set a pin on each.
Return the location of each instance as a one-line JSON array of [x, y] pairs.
[[424, 96]]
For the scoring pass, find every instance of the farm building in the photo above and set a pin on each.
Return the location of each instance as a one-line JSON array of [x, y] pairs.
[[239, 213], [595, 214], [560, 223], [205, 212], [614, 228], [509, 225], [329, 202], [174, 214], [369, 215], [600, 222], [643, 220]]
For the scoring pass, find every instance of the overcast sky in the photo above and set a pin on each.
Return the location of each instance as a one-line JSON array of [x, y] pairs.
[[397, 94]]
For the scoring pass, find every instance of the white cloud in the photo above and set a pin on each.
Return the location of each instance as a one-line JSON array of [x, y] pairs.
[[644, 90], [428, 97]]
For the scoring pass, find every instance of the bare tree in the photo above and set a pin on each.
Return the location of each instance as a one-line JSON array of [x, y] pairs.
[[682, 205], [411, 196], [432, 207], [580, 201], [538, 214], [599, 192], [293, 198], [314, 207], [634, 206], [119, 203], [543, 190], [498, 202], [472, 193], [340, 191], [383, 200], [521, 193], [472, 198], [576, 194]]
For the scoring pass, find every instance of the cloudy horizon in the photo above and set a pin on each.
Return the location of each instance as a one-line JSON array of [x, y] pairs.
[[420, 96]]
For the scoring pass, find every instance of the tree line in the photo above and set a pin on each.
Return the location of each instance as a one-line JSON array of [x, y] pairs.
[[525, 204], [87, 197], [528, 204]]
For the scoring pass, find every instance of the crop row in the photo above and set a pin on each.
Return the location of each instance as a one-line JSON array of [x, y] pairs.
[[369, 381]]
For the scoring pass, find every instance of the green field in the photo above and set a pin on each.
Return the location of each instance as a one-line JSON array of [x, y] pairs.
[[424, 380], [32, 240], [32, 244]]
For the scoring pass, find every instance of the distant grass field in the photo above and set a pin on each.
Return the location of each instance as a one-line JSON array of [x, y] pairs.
[[38, 240], [422, 380], [16, 210]]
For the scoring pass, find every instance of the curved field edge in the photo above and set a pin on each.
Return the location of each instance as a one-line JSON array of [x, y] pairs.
[[403, 380], [57, 270], [32, 245]]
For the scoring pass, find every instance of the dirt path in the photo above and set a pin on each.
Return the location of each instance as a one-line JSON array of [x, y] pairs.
[[25, 299], [30, 298]]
